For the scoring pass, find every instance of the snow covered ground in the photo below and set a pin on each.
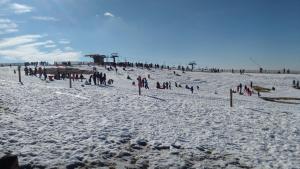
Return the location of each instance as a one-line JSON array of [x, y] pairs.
[[49, 125]]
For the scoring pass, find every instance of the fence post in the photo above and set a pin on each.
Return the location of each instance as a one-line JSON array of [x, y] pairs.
[[19, 72], [139, 84], [231, 105], [70, 81]]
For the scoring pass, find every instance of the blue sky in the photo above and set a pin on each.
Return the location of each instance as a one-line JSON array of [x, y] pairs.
[[214, 33]]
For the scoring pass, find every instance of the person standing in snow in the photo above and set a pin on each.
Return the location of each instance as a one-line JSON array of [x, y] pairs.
[[45, 74], [241, 87], [81, 77], [146, 84], [35, 71], [30, 71], [104, 79], [294, 83], [63, 76], [99, 78], [192, 89], [26, 70], [90, 79], [40, 72], [95, 78], [157, 85]]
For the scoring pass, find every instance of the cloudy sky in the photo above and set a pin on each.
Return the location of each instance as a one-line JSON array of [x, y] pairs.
[[221, 33]]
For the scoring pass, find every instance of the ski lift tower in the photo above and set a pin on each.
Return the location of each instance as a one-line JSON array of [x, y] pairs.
[[98, 59], [114, 56]]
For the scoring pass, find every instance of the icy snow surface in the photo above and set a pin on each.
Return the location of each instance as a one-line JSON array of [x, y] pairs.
[[49, 125]]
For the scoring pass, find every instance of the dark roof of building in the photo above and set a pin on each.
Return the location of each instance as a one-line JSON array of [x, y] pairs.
[[95, 55]]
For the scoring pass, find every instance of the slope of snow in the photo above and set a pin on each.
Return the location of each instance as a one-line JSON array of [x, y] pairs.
[[51, 125]]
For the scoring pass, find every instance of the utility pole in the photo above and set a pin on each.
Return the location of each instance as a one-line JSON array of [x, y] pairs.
[[139, 84], [231, 104]]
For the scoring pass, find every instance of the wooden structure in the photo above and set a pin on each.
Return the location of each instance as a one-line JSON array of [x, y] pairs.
[[98, 59]]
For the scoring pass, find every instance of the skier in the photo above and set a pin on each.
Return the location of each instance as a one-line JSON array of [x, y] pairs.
[[192, 89]]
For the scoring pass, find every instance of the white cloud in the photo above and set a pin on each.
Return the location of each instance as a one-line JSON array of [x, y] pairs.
[[19, 40], [7, 26], [109, 14], [20, 8], [64, 41], [28, 48], [68, 48], [50, 46], [44, 18]]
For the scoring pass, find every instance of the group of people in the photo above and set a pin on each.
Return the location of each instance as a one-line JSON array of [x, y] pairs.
[[36, 71], [98, 78], [165, 85], [246, 90], [75, 76], [142, 82], [190, 88], [296, 84]]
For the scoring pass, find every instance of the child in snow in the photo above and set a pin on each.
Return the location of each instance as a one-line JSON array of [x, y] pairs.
[[157, 85]]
